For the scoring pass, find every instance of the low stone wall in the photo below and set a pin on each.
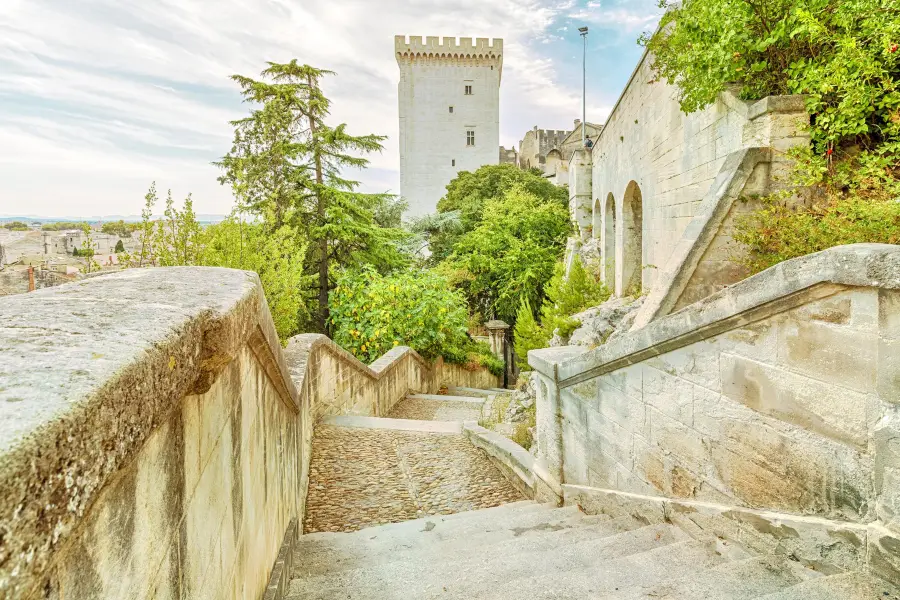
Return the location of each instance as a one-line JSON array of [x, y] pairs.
[[154, 442], [780, 394]]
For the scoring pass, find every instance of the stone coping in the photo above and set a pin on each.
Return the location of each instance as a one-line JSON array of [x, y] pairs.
[[90, 369], [531, 475], [414, 425], [781, 287]]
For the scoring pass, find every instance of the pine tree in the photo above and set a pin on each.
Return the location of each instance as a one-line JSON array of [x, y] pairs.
[[287, 166]]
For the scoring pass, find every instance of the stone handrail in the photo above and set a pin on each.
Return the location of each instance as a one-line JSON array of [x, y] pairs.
[[766, 413]]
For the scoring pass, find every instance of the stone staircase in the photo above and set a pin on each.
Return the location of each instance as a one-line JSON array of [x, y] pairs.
[[519, 549], [530, 550]]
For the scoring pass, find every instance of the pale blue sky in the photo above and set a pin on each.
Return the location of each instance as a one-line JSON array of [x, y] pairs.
[[100, 97]]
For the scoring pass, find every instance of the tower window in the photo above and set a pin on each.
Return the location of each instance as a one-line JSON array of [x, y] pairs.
[[453, 162], [468, 90], [470, 138], [451, 110]]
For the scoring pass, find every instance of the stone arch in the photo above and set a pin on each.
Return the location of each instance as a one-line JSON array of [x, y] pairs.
[[597, 220], [630, 261], [607, 236]]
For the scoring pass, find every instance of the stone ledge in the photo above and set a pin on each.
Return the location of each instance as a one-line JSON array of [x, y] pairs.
[[529, 474], [279, 582], [779, 288], [394, 424], [826, 545], [90, 370]]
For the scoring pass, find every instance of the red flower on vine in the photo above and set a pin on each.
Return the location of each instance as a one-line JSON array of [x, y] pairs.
[[829, 152], [894, 48]]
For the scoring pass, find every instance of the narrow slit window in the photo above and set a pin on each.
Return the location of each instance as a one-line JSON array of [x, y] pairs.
[[451, 110], [468, 90], [470, 138], [453, 162]]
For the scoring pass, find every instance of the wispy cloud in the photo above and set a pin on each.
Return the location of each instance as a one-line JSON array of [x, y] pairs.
[[98, 98]]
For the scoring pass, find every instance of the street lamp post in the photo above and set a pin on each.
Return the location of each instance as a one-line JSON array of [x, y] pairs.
[[583, 31]]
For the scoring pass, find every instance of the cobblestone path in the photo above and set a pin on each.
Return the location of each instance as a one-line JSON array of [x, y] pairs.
[[364, 477], [435, 410]]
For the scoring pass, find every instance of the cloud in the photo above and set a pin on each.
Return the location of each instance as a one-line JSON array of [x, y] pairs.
[[98, 98]]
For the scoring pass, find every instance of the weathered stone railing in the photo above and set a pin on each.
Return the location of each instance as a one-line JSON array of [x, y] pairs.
[[768, 412], [153, 441]]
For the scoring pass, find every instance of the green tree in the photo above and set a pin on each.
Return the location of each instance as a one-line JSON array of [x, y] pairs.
[[527, 335], [177, 236], [119, 228], [277, 256], [88, 249], [466, 196], [16, 226], [147, 225], [510, 254], [568, 295], [120, 247], [287, 166]]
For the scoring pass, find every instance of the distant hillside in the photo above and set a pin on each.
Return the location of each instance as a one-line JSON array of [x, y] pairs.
[[203, 218]]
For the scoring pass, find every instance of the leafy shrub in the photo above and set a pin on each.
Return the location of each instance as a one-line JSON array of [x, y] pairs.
[[566, 296], [16, 226], [510, 255], [372, 313], [120, 247], [528, 335], [63, 225]]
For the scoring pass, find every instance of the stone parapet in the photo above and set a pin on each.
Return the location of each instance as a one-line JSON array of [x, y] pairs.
[[778, 394]]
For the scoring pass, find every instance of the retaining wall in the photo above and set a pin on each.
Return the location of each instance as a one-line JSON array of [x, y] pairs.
[[154, 441]]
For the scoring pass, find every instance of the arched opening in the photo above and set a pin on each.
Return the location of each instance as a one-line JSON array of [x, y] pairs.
[[608, 242], [632, 243], [597, 221]]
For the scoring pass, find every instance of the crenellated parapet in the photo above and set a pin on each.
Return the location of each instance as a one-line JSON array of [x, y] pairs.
[[437, 49]]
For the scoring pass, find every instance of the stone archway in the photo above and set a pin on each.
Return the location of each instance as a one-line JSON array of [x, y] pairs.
[[597, 221], [608, 241], [628, 275]]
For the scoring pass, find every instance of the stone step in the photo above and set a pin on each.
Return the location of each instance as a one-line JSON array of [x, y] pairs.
[[448, 427], [445, 398], [591, 567], [845, 586], [738, 580], [473, 392], [541, 536]]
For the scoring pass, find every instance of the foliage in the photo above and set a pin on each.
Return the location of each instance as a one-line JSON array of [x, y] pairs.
[[844, 57], [147, 225], [276, 256], [87, 249], [467, 195], [510, 254], [120, 247], [287, 166], [177, 237], [570, 295], [527, 335], [841, 53], [372, 313], [119, 228], [566, 296], [16, 226], [63, 225]]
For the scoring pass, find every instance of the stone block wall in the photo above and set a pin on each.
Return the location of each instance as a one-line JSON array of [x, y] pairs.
[[654, 168], [154, 441], [778, 394]]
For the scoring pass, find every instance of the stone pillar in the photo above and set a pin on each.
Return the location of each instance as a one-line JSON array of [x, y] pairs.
[[548, 431], [580, 192], [497, 338]]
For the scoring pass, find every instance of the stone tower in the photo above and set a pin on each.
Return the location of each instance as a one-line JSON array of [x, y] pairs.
[[449, 96]]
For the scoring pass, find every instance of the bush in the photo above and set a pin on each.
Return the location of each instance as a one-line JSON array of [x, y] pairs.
[[120, 247], [566, 296], [63, 225], [16, 226], [527, 335], [372, 313]]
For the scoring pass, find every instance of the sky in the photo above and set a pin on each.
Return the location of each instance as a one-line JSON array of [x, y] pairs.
[[98, 98]]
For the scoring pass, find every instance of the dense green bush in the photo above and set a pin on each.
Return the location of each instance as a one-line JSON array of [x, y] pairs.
[[63, 225], [16, 226], [566, 296], [372, 313], [844, 57], [510, 255]]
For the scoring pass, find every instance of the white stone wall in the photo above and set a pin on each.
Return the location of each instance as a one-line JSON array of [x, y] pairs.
[[433, 148], [672, 157]]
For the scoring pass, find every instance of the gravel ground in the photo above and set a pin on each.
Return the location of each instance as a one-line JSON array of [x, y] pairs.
[[365, 477]]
